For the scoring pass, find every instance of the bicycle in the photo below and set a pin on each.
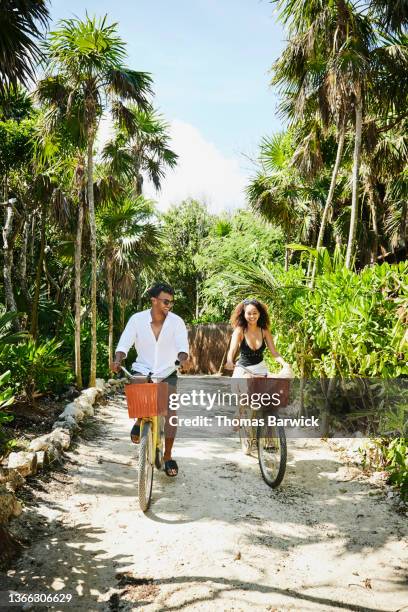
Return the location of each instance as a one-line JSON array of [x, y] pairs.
[[148, 403], [269, 440]]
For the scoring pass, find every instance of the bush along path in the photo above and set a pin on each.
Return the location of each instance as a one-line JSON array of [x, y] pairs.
[[215, 538], [41, 452]]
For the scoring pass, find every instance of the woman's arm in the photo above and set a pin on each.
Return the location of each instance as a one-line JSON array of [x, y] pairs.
[[234, 346], [272, 348]]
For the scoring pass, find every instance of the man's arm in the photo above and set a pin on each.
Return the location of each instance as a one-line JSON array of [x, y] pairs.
[[115, 365], [181, 339]]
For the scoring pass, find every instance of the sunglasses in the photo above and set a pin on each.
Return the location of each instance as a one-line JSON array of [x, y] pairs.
[[166, 302]]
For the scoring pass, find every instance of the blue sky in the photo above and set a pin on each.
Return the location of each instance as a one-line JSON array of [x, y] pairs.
[[209, 60]]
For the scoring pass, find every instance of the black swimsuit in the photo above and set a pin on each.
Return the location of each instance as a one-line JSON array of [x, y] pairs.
[[248, 356]]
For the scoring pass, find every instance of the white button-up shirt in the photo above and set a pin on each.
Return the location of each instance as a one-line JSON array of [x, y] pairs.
[[156, 356]]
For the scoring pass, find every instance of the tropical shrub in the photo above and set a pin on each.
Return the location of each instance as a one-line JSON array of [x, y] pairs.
[[35, 368], [6, 399], [350, 324], [396, 456]]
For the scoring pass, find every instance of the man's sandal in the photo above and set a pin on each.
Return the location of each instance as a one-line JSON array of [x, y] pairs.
[[135, 433], [170, 466]]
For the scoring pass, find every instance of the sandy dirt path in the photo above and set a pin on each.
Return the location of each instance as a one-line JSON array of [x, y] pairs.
[[216, 538]]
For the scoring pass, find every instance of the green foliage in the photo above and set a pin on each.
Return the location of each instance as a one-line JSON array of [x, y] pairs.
[[184, 228], [7, 335], [392, 456], [21, 25], [349, 325], [396, 456], [239, 239], [67, 336], [15, 144], [16, 104], [35, 368], [6, 399]]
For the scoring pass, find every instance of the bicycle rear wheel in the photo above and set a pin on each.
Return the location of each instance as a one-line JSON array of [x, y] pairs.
[[146, 460], [272, 453]]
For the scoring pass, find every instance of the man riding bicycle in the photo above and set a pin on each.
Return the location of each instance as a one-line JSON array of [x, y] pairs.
[[160, 338]]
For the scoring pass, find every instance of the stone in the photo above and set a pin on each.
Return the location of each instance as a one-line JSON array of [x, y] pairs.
[[9, 505], [91, 394], [60, 436], [14, 480], [72, 410], [39, 444], [24, 462], [100, 384], [84, 404], [70, 425]]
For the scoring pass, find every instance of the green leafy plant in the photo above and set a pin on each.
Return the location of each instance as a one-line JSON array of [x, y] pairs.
[[36, 368], [6, 399], [7, 335], [68, 349], [396, 455]]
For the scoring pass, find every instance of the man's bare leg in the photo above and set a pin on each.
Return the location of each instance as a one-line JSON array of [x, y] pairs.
[[170, 432]]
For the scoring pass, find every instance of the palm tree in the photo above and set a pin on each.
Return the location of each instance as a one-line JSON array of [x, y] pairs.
[[21, 24], [328, 59], [279, 193], [141, 148], [392, 14], [85, 68], [128, 242], [333, 65]]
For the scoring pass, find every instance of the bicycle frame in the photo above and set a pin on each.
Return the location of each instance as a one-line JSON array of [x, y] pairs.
[[154, 420]]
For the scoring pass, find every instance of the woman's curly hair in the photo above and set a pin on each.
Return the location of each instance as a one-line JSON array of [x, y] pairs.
[[238, 314]]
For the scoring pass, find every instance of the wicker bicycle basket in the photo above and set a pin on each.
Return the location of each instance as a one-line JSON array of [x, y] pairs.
[[146, 399], [270, 386]]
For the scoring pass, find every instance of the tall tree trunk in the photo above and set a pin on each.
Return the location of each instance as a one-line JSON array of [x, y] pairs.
[[32, 240], [329, 200], [122, 314], [23, 262], [92, 227], [356, 171], [78, 257], [8, 260], [197, 298], [36, 299], [372, 200], [139, 292], [8, 252], [138, 184], [109, 283]]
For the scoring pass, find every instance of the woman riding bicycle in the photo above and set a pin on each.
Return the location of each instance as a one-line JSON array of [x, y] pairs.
[[251, 336]]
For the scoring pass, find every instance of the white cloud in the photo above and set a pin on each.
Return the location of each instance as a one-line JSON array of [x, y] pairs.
[[105, 132], [202, 171]]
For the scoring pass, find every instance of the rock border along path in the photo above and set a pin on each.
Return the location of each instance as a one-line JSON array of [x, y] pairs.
[[216, 538]]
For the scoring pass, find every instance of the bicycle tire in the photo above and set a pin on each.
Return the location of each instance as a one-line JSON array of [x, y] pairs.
[[145, 475], [246, 433], [272, 447], [160, 450]]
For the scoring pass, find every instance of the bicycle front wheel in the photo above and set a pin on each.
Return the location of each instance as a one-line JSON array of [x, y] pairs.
[[247, 433], [272, 453], [146, 467]]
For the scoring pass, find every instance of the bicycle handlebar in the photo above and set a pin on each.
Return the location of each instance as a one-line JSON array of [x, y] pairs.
[[148, 376]]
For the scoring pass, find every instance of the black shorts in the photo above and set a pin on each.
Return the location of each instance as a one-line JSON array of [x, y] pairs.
[[170, 380]]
